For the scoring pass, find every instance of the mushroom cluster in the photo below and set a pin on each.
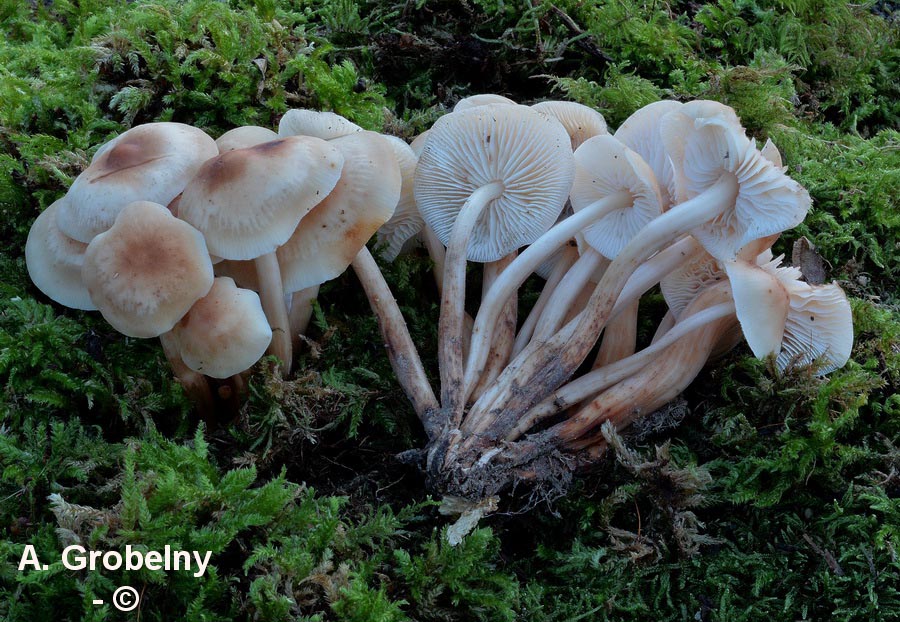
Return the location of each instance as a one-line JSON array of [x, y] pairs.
[[218, 248], [678, 197]]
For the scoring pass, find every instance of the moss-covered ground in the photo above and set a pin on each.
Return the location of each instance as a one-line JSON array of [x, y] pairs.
[[759, 497]]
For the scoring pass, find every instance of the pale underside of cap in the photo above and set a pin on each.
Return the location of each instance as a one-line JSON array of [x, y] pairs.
[[225, 332], [406, 221], [247, 202], [819, 328], [146, 271], [604, 166], [333, 233], [324, 125], [640, 133], [682, 285], [580, 121], [151, 162], [54, 262], [529, 153], [768, 201], [243, 137]]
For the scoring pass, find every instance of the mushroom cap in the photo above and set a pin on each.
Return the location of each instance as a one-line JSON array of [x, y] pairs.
[[247, 202], [481, 99], [761, 304], [151, 162], [819, 327], [528, 152], [406, 221], [332, 234], [682, 285], [324, 125], [243, 137], [641, 133], [580, 121], [767, 202], [770, 152], [225, 332], [418, 143], [54, 262], [146, 271], [605, 166]]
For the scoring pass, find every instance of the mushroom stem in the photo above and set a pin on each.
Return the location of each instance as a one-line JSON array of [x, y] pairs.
[[645, 392], [645, 277], [556, 275], [619, 337], [301, 312], [271, 295], [519, 270], [505, 333], [665, 325], [568, 291], [437, 252], [544, 366], [195, 384], [601, 379], [450, 325], [402, 352]]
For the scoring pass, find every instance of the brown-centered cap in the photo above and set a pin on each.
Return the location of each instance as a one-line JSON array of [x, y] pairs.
[[529, 153], [247, 202], [332, 234], [146, 271], [54, 262], [151, 162], [225, 332]]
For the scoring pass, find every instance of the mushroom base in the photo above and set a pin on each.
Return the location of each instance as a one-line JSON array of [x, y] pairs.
[[481, 468]]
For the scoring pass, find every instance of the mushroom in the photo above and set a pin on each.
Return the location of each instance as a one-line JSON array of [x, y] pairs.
[[481, 99], [54, 262], [324, 125], [151, 162], [490, 179], [147, 270], [580, 121], [243, 137], [406, 221], [247, 202], [223, 333]]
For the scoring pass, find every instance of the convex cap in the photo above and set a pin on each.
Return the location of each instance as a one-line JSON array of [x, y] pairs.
[[529, 153], [225, 332], [247, 202], [147, 270], [151, 162], [324, 125], [54, 262], [332, 234]]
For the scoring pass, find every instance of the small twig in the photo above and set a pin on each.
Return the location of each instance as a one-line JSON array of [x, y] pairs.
[[583, 40], [826, 555]]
